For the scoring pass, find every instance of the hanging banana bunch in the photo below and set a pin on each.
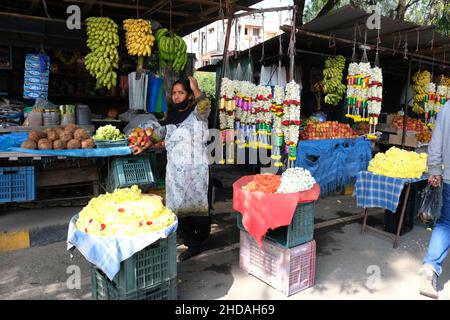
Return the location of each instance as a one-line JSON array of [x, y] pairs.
[[103, 58], [139, 37], [420, 81], [172, 50], [332, 80]]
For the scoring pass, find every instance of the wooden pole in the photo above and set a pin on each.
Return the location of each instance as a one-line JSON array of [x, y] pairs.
[[239, 15], [408, 83]]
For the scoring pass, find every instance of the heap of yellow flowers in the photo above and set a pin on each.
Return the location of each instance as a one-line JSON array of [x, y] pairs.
[[399, 163], [125, 212]]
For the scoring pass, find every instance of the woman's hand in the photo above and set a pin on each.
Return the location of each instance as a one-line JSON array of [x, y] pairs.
[[435, 181], [136, 150], [194, 86]]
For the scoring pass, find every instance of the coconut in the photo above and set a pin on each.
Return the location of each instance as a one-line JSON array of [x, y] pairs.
[[87, 144], [59, 132], [59, 144], [52, 135], [71, 128], [74, 144], [29, 144], [81, 135], [34, 135], [66, 137], [44, 144]]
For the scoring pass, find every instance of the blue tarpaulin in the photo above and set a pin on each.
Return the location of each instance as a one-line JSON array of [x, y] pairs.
[[10, 140], [334, 163], [83, 153]]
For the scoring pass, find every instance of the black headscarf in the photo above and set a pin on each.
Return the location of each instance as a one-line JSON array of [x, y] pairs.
[[175, 115]]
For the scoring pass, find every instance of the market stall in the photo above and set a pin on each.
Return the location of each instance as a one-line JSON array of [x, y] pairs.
[[73, 116], [323, 97]]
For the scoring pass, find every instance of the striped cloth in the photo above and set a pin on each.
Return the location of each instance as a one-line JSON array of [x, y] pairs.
[[376, 191]]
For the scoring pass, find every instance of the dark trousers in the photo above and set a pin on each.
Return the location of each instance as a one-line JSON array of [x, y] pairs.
[[194, 230]]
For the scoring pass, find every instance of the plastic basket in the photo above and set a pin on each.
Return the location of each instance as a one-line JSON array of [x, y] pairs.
[[111, 143], [300, 230], [151, 266], [287, 270], [129, 171], [103, 289], [17, 184]]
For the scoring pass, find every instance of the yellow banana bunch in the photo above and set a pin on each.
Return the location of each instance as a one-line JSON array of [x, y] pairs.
[[332, 80], [172, 50], [420, 81], [103, 40], [139, 37]]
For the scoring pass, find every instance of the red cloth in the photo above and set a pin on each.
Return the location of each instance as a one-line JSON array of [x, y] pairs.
[[263, 211]]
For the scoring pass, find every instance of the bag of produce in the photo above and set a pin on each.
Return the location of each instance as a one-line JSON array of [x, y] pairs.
[[430, 204]]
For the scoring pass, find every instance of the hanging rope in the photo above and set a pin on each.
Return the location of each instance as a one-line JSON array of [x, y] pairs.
[[432, 41], [405, 57], [45, 9], [417, 40], [262, 53], [235, 38], [393, 46], [170, 16], [364, 56], [249, 38], [137, 8], [377, 59], [354, 45], [221, 15]]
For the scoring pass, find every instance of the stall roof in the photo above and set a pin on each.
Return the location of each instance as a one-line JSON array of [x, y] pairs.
[[25, 22], [423, 42]]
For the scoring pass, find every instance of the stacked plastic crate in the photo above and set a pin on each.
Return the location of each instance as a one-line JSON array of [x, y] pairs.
[[17, 184], [287, 258], [150, 274], [127, 171]]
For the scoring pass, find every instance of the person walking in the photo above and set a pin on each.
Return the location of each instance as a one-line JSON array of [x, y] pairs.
[[439, 172]]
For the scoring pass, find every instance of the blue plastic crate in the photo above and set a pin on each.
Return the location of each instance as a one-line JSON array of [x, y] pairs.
[[125, 172], [17, 184], [301, 229]]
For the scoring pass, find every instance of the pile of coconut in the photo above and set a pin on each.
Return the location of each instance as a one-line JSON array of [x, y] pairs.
[[69, 137]]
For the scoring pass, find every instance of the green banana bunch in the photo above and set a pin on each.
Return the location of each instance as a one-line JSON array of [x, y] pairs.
[[332, 80], [172, 50], [103, 41]]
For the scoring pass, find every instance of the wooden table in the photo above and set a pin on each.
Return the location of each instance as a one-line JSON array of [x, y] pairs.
[[395, 238]]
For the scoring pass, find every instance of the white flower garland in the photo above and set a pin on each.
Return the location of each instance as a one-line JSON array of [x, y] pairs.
[[296, 180]]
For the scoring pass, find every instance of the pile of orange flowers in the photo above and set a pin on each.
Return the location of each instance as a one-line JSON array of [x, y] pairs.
[[268, 183]]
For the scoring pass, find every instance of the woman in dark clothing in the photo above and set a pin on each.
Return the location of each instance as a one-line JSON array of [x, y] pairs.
[[187, 171]]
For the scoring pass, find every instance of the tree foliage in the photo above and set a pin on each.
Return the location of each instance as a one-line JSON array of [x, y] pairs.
[[423, 12], [207, 83]]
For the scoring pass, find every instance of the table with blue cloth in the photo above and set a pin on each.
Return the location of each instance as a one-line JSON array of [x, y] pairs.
[[377, 191], [334, 163]]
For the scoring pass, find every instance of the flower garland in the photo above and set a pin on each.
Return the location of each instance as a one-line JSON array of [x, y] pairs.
[[291, 119], [277, 110], [357, 88], [263, 116], [375, 97], [430, 99], [227, 109]]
